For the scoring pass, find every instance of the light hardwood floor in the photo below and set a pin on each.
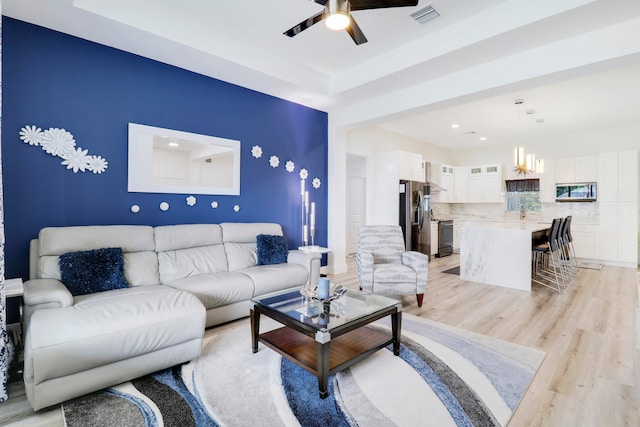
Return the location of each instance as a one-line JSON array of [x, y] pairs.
[[590, 332]]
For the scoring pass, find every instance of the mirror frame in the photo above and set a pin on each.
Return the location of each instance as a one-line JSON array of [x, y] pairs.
[[140, 161]]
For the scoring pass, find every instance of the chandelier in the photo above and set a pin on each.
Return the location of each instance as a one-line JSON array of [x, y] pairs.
[[525, 164]]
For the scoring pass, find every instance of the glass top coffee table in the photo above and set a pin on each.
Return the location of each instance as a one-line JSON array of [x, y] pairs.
[[326, 337]]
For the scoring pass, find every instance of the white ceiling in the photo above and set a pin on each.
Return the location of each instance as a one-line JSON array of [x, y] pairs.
[[241, 41]]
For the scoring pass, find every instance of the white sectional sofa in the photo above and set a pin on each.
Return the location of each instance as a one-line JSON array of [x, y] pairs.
[[181, 279]]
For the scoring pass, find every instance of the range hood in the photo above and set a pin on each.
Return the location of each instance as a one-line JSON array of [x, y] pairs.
[[435, 187]]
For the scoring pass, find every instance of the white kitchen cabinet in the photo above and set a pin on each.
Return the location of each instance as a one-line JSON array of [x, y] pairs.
[[443, 175], [460, 184], [585, 240], [410, 166], [618, 202], [586, 169], [618, 176], [618, 232], [434, 237], [576, 169], [485, 184]]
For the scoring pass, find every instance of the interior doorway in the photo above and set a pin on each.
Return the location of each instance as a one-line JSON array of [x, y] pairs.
[[356, 199]]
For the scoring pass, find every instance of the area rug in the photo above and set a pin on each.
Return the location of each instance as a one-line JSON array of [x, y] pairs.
[[590, 265], [454, 270], [444, 376]]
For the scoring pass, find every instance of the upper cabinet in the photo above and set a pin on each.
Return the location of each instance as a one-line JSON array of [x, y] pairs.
[[618, 176], [576, 169], [485, 184], [443, 175], [410, 166], [477, 184]]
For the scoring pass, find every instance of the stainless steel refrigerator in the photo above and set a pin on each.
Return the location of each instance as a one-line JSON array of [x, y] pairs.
[[415, 208]]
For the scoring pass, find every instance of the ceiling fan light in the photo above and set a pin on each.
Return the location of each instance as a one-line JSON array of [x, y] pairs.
[[337, 21], [337, 12]]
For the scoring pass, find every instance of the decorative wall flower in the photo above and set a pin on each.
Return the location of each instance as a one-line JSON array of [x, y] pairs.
[[31, 135], [57, 142], [290, 166], [97, 164], [191, 201], [60, 143], [76, 160], [274, 161], [256, 151], [214, 205], [236, 208], [316, 183], [135, 208], [164, 206]]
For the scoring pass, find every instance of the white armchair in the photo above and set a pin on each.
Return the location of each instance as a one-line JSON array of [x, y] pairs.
[[386, 267]]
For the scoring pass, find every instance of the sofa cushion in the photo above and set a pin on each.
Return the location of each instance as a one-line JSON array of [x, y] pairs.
[[271, 278], [97, 270], [108, 327], [182, 236], [217, 289], [137, 243], [241, 255], [271, 249], [179, 264]]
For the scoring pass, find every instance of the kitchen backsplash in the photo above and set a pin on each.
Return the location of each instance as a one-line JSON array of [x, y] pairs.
[[582, 213]]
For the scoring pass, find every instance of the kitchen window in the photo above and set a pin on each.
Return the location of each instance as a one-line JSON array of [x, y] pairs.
[[523, 195]]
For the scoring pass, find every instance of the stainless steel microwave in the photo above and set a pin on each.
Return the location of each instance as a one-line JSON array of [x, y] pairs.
[[576, 192]]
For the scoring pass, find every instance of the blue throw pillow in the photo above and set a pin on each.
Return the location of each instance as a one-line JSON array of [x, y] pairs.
[[97, 270], [271, 249]]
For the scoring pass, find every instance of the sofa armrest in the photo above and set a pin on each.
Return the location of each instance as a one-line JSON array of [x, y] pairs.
[[364, 264], [420, 263], [51, 292], [309, 260]]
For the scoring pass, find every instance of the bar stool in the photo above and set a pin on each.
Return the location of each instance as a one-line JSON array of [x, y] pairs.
[[547, 269], [570, 248]]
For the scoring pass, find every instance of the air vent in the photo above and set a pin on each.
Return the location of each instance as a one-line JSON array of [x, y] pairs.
[[425, 14]]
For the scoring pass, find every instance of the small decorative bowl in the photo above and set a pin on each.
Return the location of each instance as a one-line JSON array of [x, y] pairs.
[[336, 293]]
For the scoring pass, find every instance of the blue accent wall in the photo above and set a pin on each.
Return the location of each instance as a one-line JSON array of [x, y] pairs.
[[54, 80]]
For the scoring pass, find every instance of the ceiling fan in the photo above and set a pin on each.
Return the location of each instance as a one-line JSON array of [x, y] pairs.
[[337, 14]]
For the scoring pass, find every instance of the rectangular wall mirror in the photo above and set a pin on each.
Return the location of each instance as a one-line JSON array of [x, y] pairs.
[[172, 161]]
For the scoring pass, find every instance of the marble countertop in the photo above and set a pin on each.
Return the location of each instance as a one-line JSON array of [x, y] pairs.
[[497, 225]]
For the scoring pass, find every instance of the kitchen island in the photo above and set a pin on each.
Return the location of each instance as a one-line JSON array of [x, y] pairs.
[[499, 253]]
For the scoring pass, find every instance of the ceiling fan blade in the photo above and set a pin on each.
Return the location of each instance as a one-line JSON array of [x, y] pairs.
[[380, 4], [297, 29], [355, 32]]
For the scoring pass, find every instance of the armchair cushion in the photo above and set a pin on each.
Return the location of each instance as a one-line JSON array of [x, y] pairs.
[[97, 270]]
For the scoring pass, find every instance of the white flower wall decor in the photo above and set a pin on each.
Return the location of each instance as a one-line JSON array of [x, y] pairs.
[[290, 166], [316, 183], [61, 143], [256, 151], [274, 161], [304, 173], [191, 201]]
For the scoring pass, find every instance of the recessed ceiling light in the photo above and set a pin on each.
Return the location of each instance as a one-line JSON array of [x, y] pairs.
[[483, 138], [455, 126]]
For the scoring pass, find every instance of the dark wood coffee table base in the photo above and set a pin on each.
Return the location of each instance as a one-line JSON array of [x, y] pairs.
[[323, 353]]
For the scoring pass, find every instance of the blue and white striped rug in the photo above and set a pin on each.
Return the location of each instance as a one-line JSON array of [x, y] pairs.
[[444, 376]]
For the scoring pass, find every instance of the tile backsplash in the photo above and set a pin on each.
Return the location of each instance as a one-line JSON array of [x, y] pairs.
[[582, 213]]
